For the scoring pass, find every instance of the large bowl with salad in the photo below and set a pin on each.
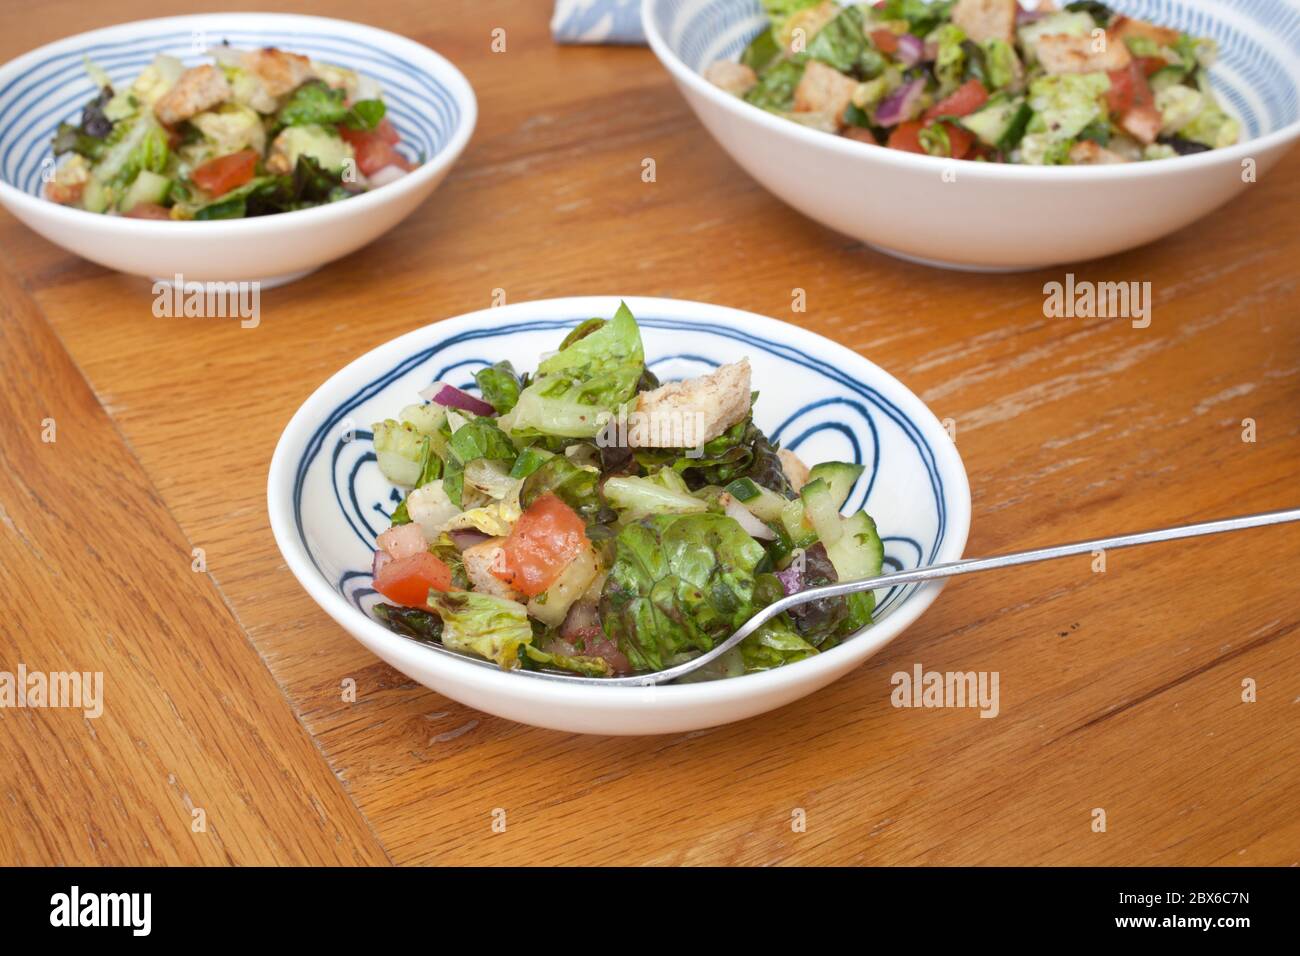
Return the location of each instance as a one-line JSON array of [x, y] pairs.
[[249, 146], [984, 135], [597, 488]]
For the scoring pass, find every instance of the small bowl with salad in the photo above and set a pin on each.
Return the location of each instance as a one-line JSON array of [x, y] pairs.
[[990, 134], [605, 488], [227, 146]]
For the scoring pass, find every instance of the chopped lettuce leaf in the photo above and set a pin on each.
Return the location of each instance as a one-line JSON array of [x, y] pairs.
[[663, 492], [401, 451], [482, 624], [774, 644], [841, 42], [678, 584], [1212, 127], [1067, 103], [574, 484], [950, 61], [499, 386], [579, 388], [577, 663]]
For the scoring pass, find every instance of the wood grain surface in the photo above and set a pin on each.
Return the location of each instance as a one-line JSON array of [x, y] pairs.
[[1120, 690]]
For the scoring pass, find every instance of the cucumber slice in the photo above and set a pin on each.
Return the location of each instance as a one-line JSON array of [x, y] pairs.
[[148, 187], [96, 197], [859, 552], [840, 476], [821, 511], [994, 120], [765, 503], [796, 525], [852, 543]]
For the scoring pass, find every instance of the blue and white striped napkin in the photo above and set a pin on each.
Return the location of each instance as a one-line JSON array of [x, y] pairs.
[[597, 21]]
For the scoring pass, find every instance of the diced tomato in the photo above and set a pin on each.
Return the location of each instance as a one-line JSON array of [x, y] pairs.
[[408, 580], [149, 210], [906, 136], [963, 101], [375, 148], [387, 132], [886, 41], [218, 176], [1130, 96], [1128, 88], [543, 541], [960, 140], [374, 154]]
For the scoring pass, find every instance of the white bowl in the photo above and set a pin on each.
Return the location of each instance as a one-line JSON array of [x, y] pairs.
[[428, 99], [987, 216], [327, 499]]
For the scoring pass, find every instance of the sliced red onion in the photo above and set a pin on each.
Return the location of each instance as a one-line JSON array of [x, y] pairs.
[[791, 578], [1029, 16], [382, 557], [911, 50], [464, 538], [902, 104], [452, 397]]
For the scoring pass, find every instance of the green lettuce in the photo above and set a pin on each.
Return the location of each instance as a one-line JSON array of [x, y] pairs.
[[922, 16], [775, 88], [840, 42], [576, 485], [663, 492], [1001, 65], [950, 61], [742, 451], [315, 103], [678, 584], [774, 644], [482, 624], [1066, 104], [499, 386], [479, 438], [577, 390], [410, 621], [577, 663]]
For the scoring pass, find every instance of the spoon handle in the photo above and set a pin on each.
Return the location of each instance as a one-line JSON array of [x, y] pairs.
[[973, 565], [916, 576], [967, 566]]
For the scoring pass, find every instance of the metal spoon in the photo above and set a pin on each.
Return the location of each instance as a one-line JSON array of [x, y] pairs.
[[915, 576]]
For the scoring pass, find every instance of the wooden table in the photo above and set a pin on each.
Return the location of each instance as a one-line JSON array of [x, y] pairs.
[[1121, 691]]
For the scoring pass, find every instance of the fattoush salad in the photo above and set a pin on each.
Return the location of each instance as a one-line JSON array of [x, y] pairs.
[[586, 518], [253, 133], [985, 80]]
